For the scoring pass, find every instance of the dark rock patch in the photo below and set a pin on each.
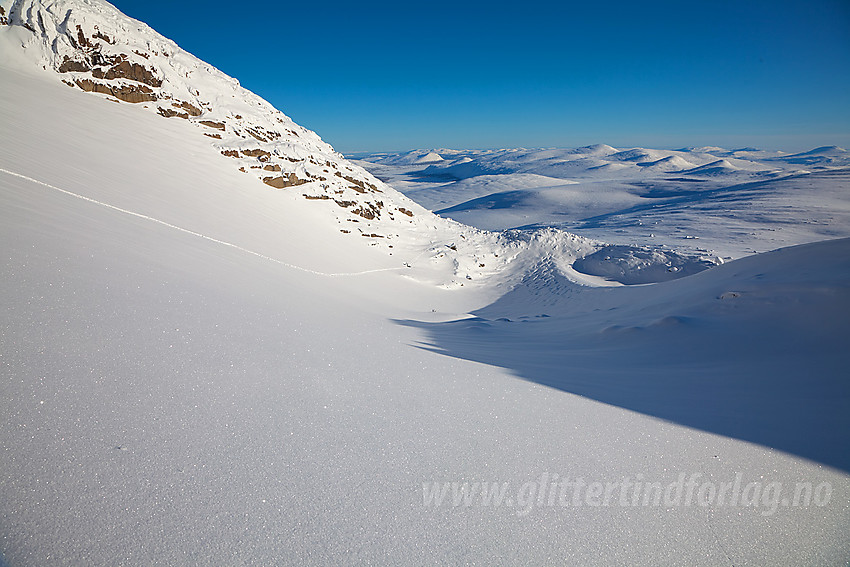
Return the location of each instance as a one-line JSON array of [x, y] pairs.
[[127, 93]]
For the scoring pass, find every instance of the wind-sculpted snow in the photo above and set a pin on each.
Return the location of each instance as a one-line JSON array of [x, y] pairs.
[[634, 265], [754, 349]]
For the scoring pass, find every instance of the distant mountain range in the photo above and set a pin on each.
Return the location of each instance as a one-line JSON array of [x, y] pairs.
[[603, 162]]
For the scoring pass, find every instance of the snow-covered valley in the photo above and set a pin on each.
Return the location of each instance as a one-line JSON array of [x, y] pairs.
[[734, 203], [228, 344]]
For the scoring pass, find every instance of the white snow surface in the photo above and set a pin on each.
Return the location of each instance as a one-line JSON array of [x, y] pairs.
[[729, 203], [199, 368]]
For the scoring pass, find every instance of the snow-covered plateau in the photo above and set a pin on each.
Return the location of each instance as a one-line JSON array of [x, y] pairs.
[[224, 343]]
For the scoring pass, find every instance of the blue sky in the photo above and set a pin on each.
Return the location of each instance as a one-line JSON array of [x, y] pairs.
[[375, 76]]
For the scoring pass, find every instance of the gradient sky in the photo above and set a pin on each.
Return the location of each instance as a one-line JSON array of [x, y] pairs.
[[373, 76]]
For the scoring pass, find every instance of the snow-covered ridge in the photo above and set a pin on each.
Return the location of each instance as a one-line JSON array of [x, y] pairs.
[[90, 45], [94, 47]]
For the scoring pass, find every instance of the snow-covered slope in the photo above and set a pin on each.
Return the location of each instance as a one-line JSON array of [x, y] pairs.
[[91, 46], [825, 156], [97, 49], [670, 350], [198, 368]]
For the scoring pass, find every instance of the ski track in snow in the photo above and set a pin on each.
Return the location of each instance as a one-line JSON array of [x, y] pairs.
[[193, 233]]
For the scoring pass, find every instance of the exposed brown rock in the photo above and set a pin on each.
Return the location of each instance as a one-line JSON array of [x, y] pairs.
[[230, 153], [372, 235], [103, 36], [168, 113], [98, 59], [190, 109], [289, 180], [256, 135], [404, 211], [216, 136], [211, 124], [140, 54], [359, 186], [127, 93], [276, 182], [82, 40], [69, 64], [272, 167], [258, 153], [131, 71], [316, 197], [367, 211]]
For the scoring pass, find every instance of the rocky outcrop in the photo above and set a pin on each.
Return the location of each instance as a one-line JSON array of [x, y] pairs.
[[290, 180], [69, 65], [170, 113], [369, 211], [98, 35], [261, 155], [127, 93], [212, 124], [358, 184], [129, 71], [190, 109], [256, 135]]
